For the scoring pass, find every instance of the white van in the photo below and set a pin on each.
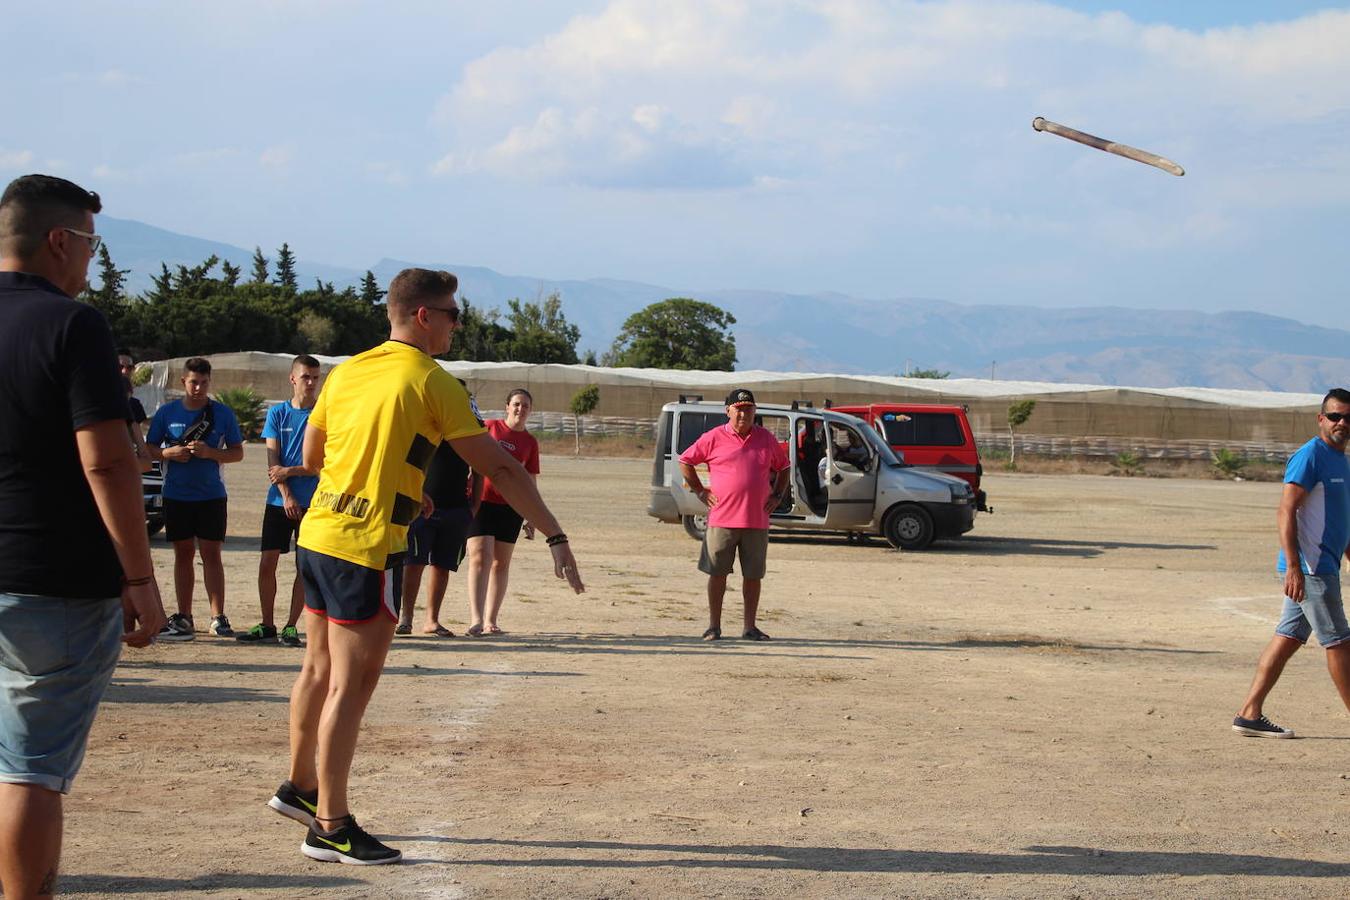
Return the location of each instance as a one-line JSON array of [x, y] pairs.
[[844, 477]]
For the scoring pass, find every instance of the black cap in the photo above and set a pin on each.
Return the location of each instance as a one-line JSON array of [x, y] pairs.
[[740, 395]]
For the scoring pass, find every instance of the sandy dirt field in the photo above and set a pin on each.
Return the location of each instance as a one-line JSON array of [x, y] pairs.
[[1039, 709]]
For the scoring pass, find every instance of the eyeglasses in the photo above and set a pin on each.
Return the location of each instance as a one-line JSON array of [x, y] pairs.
[[451, 311], [1335, 417], [94, 240]]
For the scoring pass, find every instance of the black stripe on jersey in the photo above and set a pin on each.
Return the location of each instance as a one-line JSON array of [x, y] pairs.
[[405, 510], [420, 453]]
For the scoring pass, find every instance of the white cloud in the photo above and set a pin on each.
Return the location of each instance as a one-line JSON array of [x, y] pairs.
[[15, 159], [279, 156], [730, 93]]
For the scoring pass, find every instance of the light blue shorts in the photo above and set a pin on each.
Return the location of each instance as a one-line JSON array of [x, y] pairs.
[[57, 657], [1321, 612]]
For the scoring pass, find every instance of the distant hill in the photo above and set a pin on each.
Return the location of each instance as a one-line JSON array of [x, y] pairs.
[[836, 333]]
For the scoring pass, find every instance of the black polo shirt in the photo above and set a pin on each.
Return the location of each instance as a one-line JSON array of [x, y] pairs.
[[58, 372], [447, 479]]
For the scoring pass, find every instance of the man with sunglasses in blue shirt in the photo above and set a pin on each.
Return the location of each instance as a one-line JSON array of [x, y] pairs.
[[1314, 524]]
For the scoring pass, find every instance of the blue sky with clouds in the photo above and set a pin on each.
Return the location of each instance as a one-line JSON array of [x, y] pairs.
[[874, 148]]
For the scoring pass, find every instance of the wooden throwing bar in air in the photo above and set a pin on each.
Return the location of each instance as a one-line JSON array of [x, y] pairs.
[[1091, 140]]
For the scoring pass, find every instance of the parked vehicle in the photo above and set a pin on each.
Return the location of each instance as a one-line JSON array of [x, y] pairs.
[[844, 478], [152, 489], [928, 436]]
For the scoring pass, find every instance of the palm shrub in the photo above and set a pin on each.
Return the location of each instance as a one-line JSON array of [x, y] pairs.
[[1227, 463], [248, 407]]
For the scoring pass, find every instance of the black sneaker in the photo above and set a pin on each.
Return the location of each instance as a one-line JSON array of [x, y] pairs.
[[178, 628], [1261, 727], [220, 627], [257, 634], [290, 636], [295, 805], [348, 844]]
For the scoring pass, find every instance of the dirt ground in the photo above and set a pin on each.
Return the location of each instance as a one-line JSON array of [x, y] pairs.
[[1039, 709]]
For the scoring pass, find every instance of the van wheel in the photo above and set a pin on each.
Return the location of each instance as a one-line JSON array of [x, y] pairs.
[[696, 526], [908, 527]]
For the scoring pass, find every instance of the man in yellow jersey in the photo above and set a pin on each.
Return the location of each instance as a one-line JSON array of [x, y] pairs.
[[371, 435]]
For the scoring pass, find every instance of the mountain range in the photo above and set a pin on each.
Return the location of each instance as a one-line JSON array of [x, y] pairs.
[[830, 332]]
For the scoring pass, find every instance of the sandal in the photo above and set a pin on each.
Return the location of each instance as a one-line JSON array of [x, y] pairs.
[[713, 634], [401, 628], [440, 631], [474, 631], [754, 634], [493, 629]]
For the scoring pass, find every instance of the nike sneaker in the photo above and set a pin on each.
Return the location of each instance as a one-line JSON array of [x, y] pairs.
[[295, 804], [348, 844]]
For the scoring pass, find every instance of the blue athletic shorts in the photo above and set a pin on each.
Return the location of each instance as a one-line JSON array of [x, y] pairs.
[[346, 593], [57, 657], [438, 540]]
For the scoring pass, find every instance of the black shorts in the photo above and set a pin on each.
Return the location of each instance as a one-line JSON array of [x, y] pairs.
[[346, 593], [187, 519], [279, 530], [439, 539], [496, 520]]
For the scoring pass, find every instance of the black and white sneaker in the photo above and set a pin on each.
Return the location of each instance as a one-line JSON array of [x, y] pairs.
[[348, 844], [295, 804], [1261, 727], [220, 627], [178, 628]]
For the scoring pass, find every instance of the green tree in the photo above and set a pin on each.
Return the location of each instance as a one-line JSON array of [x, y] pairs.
[[589, 359], [259, 267], [583, 404], [926, 373], [540, 333], [249, 408], [1227, 463], [286, 268], [314, 334], [1018, 413], [229, 273], [370, 289], [110, 296], [678, 333], [481, 337]]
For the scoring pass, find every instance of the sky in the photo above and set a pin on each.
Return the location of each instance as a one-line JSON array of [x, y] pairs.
[[878, 149]]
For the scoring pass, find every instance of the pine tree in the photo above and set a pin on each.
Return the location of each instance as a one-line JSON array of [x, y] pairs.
[[286, 268], [229, 273], [370, 289], [110, 294], [259, 267]]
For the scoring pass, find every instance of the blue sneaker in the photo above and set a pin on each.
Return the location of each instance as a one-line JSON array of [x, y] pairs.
[[1261, 727]]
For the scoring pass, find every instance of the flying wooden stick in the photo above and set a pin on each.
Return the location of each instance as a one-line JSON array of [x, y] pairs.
[[1143, 156]]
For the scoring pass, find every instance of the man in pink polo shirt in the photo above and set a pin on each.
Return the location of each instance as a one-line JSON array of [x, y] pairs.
[[741, 458]]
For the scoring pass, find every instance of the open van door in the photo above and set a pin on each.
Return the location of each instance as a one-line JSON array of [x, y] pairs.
[[850, 476]]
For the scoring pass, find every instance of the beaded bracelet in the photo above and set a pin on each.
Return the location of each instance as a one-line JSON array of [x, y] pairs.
[[557, 539]]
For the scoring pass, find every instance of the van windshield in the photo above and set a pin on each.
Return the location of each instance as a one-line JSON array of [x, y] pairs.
[[880, 447]]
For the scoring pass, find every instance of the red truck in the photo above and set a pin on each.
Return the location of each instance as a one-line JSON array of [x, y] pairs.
[[928, 436]]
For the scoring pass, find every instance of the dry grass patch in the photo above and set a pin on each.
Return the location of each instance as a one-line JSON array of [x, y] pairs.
[[1030, 642]]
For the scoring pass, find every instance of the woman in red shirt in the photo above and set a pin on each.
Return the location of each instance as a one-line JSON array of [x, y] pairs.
[[493, 532]]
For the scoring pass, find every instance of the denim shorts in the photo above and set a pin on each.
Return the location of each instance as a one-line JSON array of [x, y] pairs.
[[57, 657], [1321, 612]]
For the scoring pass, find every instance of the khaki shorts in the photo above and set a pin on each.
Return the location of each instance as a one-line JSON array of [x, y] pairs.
[[719, 551]]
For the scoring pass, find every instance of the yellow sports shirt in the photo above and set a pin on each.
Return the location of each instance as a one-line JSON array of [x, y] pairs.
[[384, 412]]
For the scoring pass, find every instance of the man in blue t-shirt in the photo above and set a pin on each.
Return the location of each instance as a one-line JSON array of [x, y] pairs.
[[193, 437], [1314, 522], [287, 499]]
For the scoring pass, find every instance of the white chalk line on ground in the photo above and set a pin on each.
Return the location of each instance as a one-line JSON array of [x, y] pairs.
[[450, 725], [1230, 605]]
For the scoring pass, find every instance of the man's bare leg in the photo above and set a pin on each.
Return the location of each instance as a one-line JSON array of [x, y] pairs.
[[440, 580], [297, 601], [267, 585], [478, 555], [1338, 664], [1268, 669], [750, 591], [184, 575], [497, 582], [412, 584], [717, 589], [213, 574], [356, 656], [30, 840], [307, 699]]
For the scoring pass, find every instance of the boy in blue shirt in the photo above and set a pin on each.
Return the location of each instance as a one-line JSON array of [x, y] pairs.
[[193, 437], [287, 499], [1314, 522]]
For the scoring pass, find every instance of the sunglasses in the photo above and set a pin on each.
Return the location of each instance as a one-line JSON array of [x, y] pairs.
[[1335, 417], [451, 311], [93, 239]]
